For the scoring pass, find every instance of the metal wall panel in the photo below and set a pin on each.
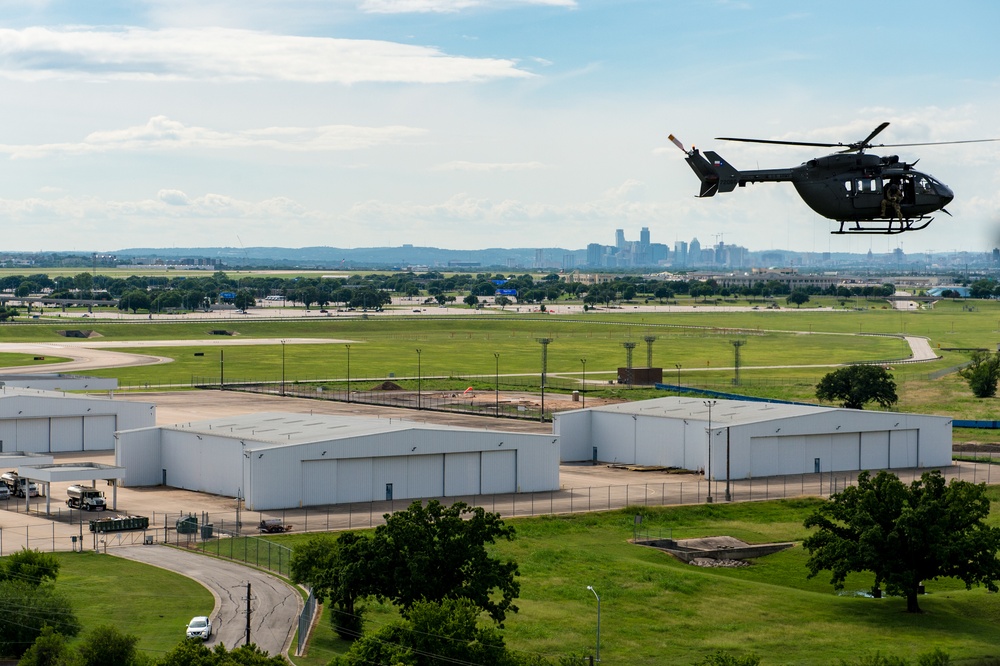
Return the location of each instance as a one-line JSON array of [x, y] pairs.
[[874, 450], [99, 432], [66, 433], [354, 480], [425, 476], [844, 448], [319, 482], [33, 435], [902, 449], [461, 474], [8, 435], [772, 456], [389, 469], [499, 472], [138, 451]]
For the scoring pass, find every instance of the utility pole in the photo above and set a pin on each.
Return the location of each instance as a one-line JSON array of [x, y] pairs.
[[544, 342], [650, 339], [248, 615], [629, 346], [736, 350]]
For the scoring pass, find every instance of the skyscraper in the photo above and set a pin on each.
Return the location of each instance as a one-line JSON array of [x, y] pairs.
[[694, 253], [680, 253], [620, 239]]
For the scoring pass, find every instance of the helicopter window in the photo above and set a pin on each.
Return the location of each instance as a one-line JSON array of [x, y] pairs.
[[849, 184], [924, 186], [867, 185]]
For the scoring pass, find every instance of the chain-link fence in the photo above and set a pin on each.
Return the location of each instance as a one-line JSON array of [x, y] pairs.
[[238, 535]]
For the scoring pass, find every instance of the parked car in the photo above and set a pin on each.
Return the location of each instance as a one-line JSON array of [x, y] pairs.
[[4, 492], [199, 627]]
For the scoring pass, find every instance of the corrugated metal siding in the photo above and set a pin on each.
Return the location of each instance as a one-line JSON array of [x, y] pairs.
[[138, 451], [391, 469], [425, 476], [8, 435], [844, 449], [319, 482], [33, 435], [354, 480], [903, 449], [874, 450], [66, 433], [499, 472], [99, 432], [461, 474]]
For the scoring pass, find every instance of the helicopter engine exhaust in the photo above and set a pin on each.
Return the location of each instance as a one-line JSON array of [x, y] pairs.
[[716, 175]]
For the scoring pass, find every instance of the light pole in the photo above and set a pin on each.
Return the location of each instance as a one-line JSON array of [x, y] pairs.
[[496, 356], [348, 372], [708, 475], [583, 382], [418, 378], [282, 367], [544, 342], [598, 622], [678, 366]]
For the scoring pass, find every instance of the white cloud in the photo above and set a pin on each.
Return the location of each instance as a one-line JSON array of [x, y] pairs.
[[450, 6], [459, 165], [162, 133], [223, 54]]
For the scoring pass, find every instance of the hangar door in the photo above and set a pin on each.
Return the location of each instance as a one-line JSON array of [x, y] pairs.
[[319, 482], [8, 435], [903, 448], [499, 472], [874, 450], [354, 480], [99, 433], [33, 435], [461, 474], [67, 433]]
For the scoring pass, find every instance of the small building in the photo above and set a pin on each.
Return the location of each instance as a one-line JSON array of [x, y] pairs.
[[59, 382], [278, 461], [752, 439], [37, 421]]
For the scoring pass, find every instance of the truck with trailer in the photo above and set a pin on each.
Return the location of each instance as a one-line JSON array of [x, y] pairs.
[[19, 485], [87, 498]]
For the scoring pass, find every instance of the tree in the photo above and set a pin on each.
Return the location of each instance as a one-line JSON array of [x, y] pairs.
[[797, 298], [982, 374], [195, 653], [856, 385], [502, 301], [336, 570], [906, 535], [433, 552], [30, 566], [27, 610], [471, 300], [134, 300], [245, 300], [105, 644], [49, 649]]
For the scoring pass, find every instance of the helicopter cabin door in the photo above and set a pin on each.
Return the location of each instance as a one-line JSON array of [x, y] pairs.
[[866, 192]]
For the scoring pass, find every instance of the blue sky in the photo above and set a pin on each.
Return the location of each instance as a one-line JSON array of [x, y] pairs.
[[475, 123]]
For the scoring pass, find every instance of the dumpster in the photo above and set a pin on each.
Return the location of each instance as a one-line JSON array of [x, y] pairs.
[[206, 531], [187, 525]]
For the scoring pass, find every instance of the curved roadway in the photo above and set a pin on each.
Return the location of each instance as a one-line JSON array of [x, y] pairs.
[[274, 605]]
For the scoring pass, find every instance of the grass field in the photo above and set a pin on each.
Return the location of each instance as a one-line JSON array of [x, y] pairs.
[[657, 610], [146, 601]]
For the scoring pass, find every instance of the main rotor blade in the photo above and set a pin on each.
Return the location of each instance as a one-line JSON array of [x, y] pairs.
[[875, 132], [782, 143], [931, 143]]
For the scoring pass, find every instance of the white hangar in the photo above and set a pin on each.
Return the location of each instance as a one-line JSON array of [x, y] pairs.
[[36, 421], [278, 461], [757, 439]]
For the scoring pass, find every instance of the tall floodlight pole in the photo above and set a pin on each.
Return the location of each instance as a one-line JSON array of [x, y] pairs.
[[649, 339], [544, 342], [583, 382], [222, 368], [348, 347], [418, 378], [598, 622], [629, 346], [282, 367], [708, 475], [496, 356], [736, 364], [678, 366]]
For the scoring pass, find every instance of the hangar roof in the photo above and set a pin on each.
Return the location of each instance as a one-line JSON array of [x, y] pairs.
[[724, 412], [283, 429]]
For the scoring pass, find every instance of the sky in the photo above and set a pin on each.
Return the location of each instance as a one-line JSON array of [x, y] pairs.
[[468, 124]]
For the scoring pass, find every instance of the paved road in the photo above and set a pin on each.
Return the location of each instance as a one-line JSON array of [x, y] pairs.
[[275, 605]]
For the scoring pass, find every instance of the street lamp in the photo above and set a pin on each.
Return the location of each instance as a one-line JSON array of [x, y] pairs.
[[583, 382], [282, 367], [598, 622], [348, 372], [418, 378], [708, 476], [496, 355], [678, 366]]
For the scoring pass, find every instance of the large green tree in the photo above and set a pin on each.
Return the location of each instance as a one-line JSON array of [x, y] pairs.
[[857, 385], [906, 535], [336, 569], [982, 374]]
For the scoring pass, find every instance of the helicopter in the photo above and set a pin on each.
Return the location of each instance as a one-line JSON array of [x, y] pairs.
[[865, 193]]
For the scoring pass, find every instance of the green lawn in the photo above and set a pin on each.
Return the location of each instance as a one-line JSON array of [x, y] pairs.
[[146, 601], [656, 610]]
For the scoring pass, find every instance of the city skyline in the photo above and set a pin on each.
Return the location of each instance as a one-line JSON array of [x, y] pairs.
[[471, 123]]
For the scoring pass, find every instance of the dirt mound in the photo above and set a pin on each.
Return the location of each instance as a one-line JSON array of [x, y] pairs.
[[387, 386], [79, 334]]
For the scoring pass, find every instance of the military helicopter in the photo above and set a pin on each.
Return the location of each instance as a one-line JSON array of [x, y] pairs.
[[865, 193]]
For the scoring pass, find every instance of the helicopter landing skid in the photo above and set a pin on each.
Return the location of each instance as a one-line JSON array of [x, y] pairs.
[[886, 227]]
